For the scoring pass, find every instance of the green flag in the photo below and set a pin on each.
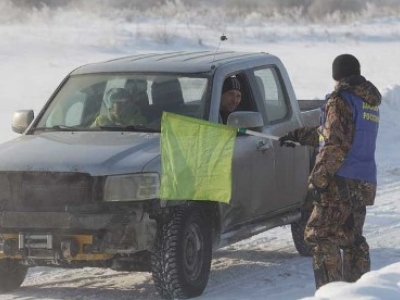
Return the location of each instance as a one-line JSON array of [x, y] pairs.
[[196, 159]]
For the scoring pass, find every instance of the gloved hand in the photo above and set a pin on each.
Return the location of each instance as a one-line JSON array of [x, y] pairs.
[[287, 141], [319, 176], [314, 193]]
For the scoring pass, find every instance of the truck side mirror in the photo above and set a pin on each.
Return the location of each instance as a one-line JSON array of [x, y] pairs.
[[21, 120], [245, 119]]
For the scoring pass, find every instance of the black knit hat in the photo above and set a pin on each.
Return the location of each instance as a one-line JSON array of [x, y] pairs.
[[231, 83], [345, 65]]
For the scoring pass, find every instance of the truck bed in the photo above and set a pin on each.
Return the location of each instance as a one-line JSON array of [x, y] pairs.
[[306, 105], [310, 111]]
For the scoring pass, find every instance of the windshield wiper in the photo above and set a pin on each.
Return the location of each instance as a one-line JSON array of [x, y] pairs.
[[138, 128], [65, 128], [59, 128]]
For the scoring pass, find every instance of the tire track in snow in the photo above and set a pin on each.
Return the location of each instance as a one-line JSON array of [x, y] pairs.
[[383, 236], [273, 263]]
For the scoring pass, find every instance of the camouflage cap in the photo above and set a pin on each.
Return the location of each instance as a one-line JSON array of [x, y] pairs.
[[118, 95]]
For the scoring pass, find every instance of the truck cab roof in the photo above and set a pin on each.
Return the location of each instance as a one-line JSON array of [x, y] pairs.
[[172, 62]]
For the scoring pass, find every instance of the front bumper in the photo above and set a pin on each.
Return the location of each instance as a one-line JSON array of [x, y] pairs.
[[72, 221], [74, 236]]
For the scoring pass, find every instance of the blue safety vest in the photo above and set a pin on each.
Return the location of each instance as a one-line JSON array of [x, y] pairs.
[[359, 162]]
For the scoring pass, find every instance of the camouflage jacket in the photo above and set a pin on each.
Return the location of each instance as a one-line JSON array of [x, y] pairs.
[[338, 129]]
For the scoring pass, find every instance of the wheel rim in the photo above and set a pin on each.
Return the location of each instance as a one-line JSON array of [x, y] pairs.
[[193, 252]]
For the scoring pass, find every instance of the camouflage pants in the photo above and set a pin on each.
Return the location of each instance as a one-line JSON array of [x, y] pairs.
[[334, 230]]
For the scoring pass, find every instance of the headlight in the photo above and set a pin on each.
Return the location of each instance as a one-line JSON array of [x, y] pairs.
[[132, 187]]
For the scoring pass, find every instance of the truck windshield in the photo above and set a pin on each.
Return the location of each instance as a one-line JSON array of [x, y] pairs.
[[132, 102]]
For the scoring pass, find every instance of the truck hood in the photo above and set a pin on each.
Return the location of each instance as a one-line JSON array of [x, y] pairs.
[[96, 153]]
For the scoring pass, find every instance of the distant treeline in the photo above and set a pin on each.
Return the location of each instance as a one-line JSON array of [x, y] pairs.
[[308, 10]]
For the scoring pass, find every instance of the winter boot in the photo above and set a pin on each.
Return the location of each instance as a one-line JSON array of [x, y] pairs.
[[356, 262], [327, 264]]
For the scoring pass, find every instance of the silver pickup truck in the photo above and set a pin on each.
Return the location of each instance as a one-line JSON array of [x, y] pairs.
[[74, 193]]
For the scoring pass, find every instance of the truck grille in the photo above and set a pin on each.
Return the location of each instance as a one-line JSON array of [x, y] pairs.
[[43, 191]]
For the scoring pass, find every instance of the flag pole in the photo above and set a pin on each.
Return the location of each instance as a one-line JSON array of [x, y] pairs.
[[264, 135]]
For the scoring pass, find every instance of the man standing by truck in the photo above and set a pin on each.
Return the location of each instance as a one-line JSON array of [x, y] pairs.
[[343, 180]]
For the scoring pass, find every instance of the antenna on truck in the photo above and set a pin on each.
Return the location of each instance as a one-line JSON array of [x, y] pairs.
[[222, 38]]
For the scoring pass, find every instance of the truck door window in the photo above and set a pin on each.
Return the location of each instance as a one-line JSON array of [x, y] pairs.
[[272, 95], [229, 100]]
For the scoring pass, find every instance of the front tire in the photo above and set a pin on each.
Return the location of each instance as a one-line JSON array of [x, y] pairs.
[[12, 274], [298, 234], [181, 259]]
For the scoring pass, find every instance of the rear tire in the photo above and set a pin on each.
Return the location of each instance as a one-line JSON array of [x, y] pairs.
[[298, 234], [181, 258], [12, 274]]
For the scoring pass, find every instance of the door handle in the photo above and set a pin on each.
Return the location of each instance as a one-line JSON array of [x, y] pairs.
[[263, 146]]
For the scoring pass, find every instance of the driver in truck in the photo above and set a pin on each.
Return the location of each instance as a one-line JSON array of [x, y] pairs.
[[230, 98]]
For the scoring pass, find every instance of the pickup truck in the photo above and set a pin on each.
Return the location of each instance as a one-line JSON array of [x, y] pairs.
[[74, 195]]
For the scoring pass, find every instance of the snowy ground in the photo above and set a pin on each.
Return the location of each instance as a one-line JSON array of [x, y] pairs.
[[36, 55]]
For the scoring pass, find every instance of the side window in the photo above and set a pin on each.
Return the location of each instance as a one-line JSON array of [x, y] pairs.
[[236, 96], [69, 114], [246, 103], [177, 94], [192, 88], [73, 115], [271, 92]]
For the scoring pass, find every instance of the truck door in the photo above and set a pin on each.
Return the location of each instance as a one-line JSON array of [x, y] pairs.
[[254, 181], [263, 174], [275, 181], [253, 161]]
